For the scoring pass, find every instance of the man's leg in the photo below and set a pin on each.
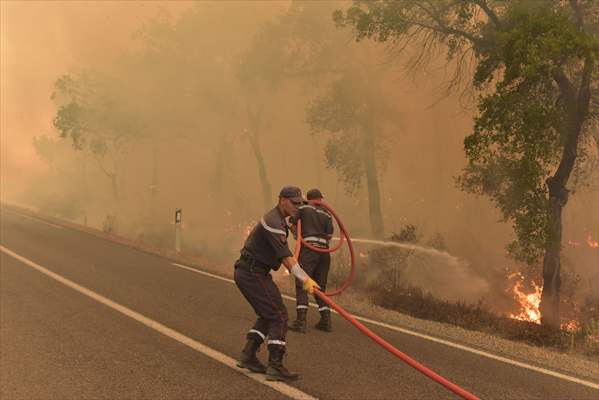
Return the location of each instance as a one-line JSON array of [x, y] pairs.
[[256, 335], [277, 331], [248, 357], [265, 298], [321, 275], [307, 260]]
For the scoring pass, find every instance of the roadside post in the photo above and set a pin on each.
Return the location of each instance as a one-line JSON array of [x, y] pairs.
[[178, 216]]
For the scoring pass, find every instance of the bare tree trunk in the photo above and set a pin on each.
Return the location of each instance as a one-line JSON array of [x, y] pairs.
[[374, 195], [85, 186], [255, 118], [577, 108], [216, 182], [550, 296], [154, 184], [316, 161], [115, 189]]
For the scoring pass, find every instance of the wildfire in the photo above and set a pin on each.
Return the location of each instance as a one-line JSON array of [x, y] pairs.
[[571, 326], [529, 303], [592, 243], [363, 255]]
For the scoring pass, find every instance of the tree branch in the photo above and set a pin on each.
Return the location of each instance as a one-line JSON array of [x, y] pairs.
[[104, 170], [577, 12], [565, 85], [487, 10], [441, 26], [584, 93]]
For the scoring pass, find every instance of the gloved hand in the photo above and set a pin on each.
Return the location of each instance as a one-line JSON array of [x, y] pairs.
[[309, 285]]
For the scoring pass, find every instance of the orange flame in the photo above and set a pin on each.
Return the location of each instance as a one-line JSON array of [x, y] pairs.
[[571, 326], [529, 303], [592, 243], [363, 255]]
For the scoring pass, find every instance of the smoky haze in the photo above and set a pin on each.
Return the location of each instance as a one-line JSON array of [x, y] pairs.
[[183, 92]]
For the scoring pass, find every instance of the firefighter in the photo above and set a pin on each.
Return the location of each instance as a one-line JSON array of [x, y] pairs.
[[317, 230], [264, 250]]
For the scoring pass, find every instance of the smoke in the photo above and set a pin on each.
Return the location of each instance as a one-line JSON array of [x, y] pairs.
[[170, 69], [437, 272]]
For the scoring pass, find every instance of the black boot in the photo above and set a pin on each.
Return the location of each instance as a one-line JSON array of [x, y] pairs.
[[325, 321], [299, 325], [248, 357], [276, 371]]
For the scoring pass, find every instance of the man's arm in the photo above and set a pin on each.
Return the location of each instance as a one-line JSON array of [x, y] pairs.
[[329, 229], [296, 270]]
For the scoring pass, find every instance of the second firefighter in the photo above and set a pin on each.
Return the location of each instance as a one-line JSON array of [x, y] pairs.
[[317, 230]]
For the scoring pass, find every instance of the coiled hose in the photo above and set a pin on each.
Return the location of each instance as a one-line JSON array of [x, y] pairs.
[[325, 296]]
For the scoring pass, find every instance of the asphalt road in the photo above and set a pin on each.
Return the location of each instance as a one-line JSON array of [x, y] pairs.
[[59, 343]]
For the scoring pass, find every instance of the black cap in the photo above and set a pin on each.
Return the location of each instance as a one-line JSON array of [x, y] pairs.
[[293, 193], [314, 194]]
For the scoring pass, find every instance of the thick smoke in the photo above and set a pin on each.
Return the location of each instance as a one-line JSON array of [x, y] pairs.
[[193, 148]]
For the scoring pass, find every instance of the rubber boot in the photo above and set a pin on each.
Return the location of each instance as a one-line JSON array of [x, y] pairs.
[[299, 325], [325, 323], [248, 357], [275, 370]]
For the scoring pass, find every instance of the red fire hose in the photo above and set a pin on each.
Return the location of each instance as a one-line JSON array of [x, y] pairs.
[[386, 345]]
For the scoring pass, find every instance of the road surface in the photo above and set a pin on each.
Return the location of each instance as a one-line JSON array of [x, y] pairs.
[[83, 317]]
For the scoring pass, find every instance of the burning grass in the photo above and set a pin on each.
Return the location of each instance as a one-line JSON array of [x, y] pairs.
[[412, 301], [382, 282]]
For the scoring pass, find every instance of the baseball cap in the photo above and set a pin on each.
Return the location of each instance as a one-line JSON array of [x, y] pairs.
[[314, 194], [292, 193]]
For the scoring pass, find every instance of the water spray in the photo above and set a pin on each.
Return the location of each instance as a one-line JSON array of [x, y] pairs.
[[325, 296]]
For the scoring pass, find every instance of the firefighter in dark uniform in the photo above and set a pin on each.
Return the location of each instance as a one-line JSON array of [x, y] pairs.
[[265, 249], [317, 230]]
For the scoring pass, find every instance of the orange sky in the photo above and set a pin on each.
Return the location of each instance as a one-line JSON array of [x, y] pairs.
[[39, 41]]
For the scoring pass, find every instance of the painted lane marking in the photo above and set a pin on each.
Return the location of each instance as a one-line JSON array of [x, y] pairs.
[[433, 339], [280, 387]]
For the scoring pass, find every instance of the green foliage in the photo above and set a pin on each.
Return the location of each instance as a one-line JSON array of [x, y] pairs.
[[530, 59], [351, 112], [89, 115], [302, 43], [44, 146], [519, 134]]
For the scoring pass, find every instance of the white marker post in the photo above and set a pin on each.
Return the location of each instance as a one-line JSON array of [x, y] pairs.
[[178, 216]]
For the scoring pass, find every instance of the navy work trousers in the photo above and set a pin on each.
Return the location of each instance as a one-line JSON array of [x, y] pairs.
[[262, 293]]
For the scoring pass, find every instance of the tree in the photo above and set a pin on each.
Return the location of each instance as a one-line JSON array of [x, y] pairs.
[[198, 57], [354, 112], [303, 47], [66, 167], [536, 72], [90, 116]]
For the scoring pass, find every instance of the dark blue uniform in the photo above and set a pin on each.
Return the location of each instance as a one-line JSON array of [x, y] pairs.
[[264, 249], [317, 229]]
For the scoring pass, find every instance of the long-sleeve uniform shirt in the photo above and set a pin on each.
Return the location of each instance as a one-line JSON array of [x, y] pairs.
[[267, 242], [317, 225], [317, 229]]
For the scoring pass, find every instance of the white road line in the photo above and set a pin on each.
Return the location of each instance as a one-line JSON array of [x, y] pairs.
[[434, 339], [202, 348], [37, 219]]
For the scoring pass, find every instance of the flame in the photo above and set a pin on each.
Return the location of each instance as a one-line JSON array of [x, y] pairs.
[[363, 255], [592, 243], [529, 303], [571, 326], [573, 243]]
